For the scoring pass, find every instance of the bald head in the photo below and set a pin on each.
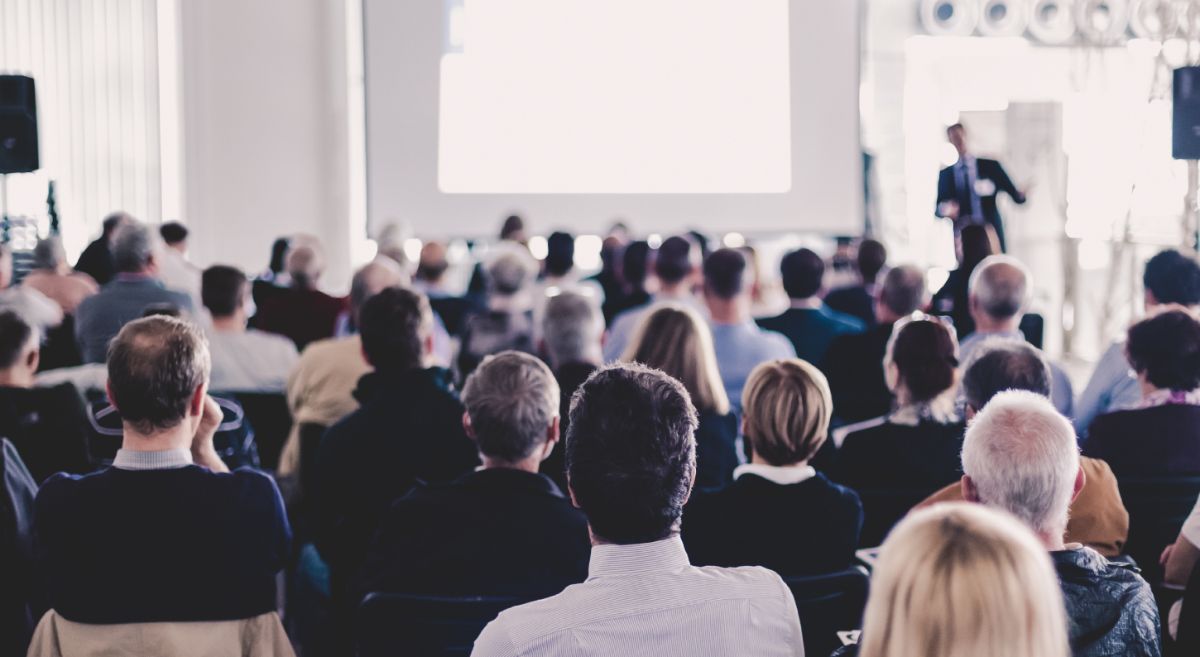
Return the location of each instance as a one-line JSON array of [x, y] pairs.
[[432, 264], [999, 290], [373, 278]]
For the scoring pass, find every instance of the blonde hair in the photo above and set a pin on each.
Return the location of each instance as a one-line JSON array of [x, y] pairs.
[[786, 407], [674, 339], [962, 579]]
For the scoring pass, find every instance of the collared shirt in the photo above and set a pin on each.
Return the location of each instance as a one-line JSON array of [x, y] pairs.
[[740, 348], [1113, 387], [647, 599], [783, 475], [167, 459]]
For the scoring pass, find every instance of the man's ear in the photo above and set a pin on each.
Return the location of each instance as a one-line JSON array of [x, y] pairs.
[[969, 492], [196, 404], [466, 422], [427, 345], [553, 433], [32, 360], [1080, 482], [112, 399]]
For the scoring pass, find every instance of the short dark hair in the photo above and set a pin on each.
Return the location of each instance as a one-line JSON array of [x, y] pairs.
[[725, 273], [560, 253], [926, 358], [631, 452], [155, 365], [633, 263], [512, 224], [1005, 364], [872, 256], [394, 324], [15, 334], [173, 232], [802, 271], [1166, 348], [113, 222], [673, 261], [222, 290], [1173, 277], [279, 251]]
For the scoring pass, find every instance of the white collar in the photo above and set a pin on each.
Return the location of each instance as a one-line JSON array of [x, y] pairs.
[[783, 475], [167, 459]]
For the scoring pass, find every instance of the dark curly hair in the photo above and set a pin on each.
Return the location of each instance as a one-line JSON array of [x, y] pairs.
[[1166, 348]]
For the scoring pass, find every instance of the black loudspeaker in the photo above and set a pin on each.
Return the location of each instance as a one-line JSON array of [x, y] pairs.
[[1185, 137], [18, 125]]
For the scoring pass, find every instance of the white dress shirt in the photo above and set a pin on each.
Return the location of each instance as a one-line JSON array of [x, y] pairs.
[[647, 600]]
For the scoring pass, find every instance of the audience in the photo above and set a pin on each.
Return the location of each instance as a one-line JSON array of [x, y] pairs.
[[507, 322], [1161, 437], [808, 323], [779, 512], [243, 360], [302, 313], [633, 273], [739, 343], [859, 300], [559, 273], [675, 340], [97, 259], [134, 287], [273, 280], [1170, 278], [39, 309], [631, 463], [52, 276], [473, 536], [1000, 289], [676, 268], [430, 281], [174, 269], [572, 331], [1020, 456], [854, 361], [609, 277], [959, 580], [1098, 518], [974, 243]]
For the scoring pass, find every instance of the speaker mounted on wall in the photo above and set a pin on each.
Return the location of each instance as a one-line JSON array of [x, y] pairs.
[[18, 125]]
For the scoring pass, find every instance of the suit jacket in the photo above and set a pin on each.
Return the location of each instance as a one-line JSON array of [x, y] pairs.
[[1162, 441], [812, 330], [796, 530], [100, 317], [854, 300], [302, 315], [854, 367], [495, 532], [97, 261], [990, 170]]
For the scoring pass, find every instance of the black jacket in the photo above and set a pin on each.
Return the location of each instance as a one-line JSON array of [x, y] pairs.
[[897, 456], [854, 300], [570, 376], [854, 367], [716, 449], [989, 170], [495, 532], [49, 427], [1161, 441], [97, 261], [1110, 609], [18, 607]]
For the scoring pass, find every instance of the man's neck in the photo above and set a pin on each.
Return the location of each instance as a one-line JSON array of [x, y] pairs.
[[727, 311], [985, 324], [229, 324], [812, 302], [525, 465], [1052, 541], [758, 460], [178, 437], [680, 290], [15, 378]]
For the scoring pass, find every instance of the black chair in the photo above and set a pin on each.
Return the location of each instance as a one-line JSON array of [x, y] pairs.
[[884, 507], [829, 604], [1157, 508], [402, 625], [270, 421]]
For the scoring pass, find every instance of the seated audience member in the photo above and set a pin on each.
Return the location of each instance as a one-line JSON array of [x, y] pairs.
[[859, 300], [676, 268], [1020, 456], [779, 512], [916, 446], [559, 272], [37, 308], [430, 280], [959, 580], [1098, 518], [854, 361], [631, 462], [808, 323], [174, 269], [53, 277], [184, 539], [609, 277], [631, 293], [1161, 437], [47, 425], [739, 343], [274, 279], [973, 244], [302, 312], [134, 287], [18, 596], [507, 322], [473, 536], [1170, 278], [243, 360], [572, 331], [409, 427], [675, 340], [97, 259], [1000, 290]]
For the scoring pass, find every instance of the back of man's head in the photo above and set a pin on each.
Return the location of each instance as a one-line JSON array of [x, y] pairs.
[[631, 452], [155, 366], [560, 253], [512, 400], [903, 291], [1173, 277], [802, 271], [509, 272], [305, 265], [634, 261], [725, 274], [113, 221], [395, 326], [372, 278], [432, 264], [223, 290], [999, 287], [1021, 456], [872, 257], [571, 328], [674, 260], [1005, 364], [173, 233], [18, 339], [133, 247], [48, 253]]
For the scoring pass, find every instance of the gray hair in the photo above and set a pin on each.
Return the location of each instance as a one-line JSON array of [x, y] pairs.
[[48, 253], [1022, 456], [133, 246], [572, 327], [511, 398], [304, 265], [508, 273], [1000, 285], [903, 291], [374, 277]]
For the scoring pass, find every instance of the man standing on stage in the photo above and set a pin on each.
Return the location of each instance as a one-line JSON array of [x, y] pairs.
[[967, 189]]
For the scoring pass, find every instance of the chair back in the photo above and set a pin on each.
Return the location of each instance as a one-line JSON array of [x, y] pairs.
[[270, 421], [883, 508], [829, 604], [234, 442], [1157, 508], [404, 625]]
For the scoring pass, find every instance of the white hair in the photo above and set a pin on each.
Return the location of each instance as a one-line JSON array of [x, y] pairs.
[[572, 328], [1000, 285], [1022, 456]]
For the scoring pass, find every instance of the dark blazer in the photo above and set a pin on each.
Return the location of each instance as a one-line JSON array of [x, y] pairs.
[[854, 367], [496, 532], [949, 190], [1158, 441], [303, 316], [811, 330], [922, 457], [953, 300], [853, 300], [97, 261], [716, 449], [49, 427], [799, 529]]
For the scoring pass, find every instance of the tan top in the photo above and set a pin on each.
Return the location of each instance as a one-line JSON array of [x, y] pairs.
[[320, 390], [1098, 516], [67, 290], [260, 636]]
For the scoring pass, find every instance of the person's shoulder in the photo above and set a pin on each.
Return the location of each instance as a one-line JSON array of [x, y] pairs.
[[865, 430], [330, 347], [844, 323], [775, 344], [63, 487]]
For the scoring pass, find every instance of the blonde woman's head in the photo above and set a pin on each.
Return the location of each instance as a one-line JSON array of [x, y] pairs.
[[675, 339], [786, 408], [962, 579]]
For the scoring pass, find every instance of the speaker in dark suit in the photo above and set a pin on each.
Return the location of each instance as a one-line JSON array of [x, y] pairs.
[[968, 189]]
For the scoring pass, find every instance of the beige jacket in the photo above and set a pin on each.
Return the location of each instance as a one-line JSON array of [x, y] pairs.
[[261, 636], [321, 390]]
